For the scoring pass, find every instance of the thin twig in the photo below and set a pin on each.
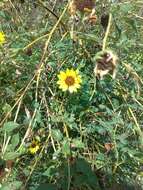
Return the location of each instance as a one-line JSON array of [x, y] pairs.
[[46, 47], [51, 11]]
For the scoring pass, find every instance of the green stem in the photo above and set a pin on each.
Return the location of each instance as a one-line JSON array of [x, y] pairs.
[[69, 175]]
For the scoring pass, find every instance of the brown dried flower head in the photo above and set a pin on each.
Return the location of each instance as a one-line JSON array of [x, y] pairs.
[[81, 5], [106, 63]]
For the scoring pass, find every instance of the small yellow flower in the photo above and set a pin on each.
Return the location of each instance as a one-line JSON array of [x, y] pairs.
[[34, 147], [2, 37], [69, 80]]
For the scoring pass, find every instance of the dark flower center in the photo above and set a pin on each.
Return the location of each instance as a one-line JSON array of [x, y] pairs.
[[69, 81], [33, 145]]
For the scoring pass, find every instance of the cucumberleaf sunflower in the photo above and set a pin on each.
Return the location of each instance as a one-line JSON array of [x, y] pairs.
[[69, 80]]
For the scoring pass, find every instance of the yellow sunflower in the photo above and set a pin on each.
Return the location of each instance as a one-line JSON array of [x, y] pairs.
[[34, 147], [69, 80], [2, 37]]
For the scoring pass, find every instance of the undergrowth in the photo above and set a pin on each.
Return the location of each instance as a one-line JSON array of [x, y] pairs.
[[57, 140]]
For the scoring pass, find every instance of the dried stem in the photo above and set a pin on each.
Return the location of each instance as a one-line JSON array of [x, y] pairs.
[[107, 32]]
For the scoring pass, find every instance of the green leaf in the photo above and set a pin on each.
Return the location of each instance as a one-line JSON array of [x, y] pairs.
[[5, 15], [47, 187], [66, 147], [77, 143], [11, 155], [50, 171], [15, 185], [126, 7], [6, 108], [87, 176], [14, 141], [57, 135], [4, 188], [9, 126]]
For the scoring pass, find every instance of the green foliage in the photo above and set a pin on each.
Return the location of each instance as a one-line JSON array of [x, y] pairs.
[[9, 127], [15, 185], [89, 140]]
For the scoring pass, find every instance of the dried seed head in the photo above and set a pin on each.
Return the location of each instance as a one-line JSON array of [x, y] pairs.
[[81, 5], [106, 62], [104, 20]]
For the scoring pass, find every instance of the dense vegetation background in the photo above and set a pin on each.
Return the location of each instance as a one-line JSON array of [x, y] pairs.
[[50, 139]]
